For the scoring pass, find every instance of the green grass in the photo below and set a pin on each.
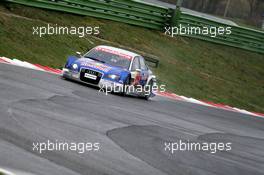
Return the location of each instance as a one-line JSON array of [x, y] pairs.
[[188, 67]]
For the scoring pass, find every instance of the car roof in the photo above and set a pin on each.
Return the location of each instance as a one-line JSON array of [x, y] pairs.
[[126, 52]]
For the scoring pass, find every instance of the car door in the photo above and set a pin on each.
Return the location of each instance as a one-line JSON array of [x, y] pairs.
[[144, 71], [135, 72]]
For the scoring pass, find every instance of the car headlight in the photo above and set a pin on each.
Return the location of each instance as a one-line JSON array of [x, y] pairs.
[[75, 66], [113, 76]]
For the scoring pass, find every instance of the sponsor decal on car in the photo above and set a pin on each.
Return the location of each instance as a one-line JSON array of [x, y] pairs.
[[114, 52]]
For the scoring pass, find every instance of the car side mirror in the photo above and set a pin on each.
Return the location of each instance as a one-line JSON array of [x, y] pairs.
[[78, 54]]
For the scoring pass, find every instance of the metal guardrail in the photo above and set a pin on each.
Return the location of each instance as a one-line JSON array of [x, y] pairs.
[[240, 37], [126, 11], [153, 17]]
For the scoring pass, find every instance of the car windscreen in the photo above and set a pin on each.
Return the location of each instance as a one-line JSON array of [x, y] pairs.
[[109, 57]]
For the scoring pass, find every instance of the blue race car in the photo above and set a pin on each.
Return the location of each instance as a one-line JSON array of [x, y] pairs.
[[112, 69]]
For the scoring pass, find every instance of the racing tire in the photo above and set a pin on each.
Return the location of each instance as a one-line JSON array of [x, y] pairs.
[[63, 77], [125, 88], [147, 97]]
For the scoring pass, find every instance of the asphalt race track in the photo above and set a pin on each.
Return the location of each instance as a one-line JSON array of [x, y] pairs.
[[37, 106]]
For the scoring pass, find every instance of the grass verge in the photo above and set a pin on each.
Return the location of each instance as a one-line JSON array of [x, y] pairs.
[[188, 66]]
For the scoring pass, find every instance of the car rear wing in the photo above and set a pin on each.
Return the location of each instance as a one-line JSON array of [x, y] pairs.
[[151, 60]]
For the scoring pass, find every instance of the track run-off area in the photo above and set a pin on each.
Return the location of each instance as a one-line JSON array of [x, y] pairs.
[[37, 105]]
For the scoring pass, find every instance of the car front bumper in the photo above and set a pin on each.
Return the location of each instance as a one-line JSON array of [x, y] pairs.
[[103, 83]]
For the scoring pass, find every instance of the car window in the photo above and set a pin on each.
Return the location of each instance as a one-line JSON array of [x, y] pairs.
[[112, 59], [135, 64], [142, 63]]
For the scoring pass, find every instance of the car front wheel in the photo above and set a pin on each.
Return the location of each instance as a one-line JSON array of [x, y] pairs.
[[126, 86]]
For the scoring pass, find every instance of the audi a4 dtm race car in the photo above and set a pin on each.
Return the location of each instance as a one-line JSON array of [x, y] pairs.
[[113, 69]]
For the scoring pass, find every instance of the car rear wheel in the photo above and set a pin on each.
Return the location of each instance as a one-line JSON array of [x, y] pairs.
[[149, 90]]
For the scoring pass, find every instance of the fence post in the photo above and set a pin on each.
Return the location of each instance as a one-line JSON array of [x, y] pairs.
[[176, 14]]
